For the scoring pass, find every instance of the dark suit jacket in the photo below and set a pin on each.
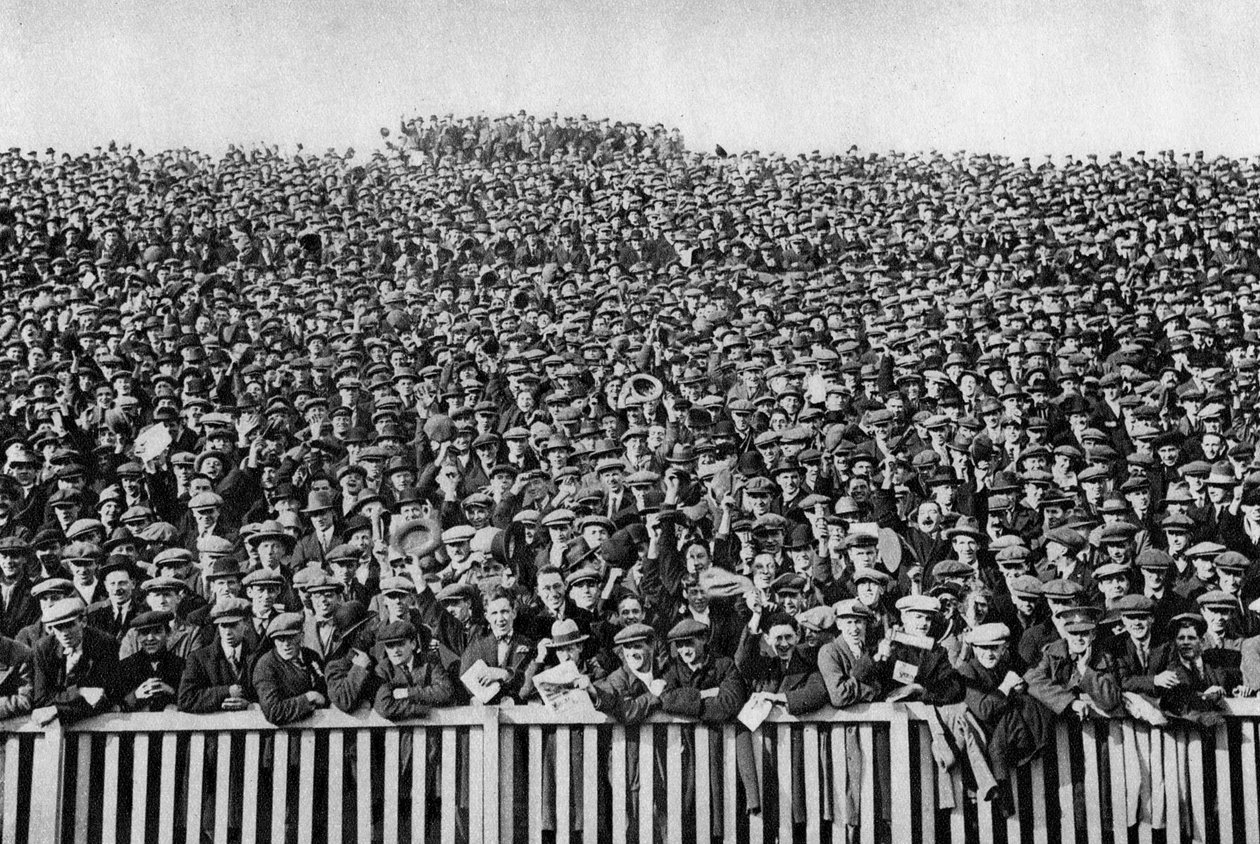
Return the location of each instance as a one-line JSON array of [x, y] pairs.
[[101, 616], [139, 667], [23, 609], [683, 687], [1056, 682], [207, 676], [625, 697], [800, 682], [427, 685], [97, 668], [282, 685], [17, 678], [1128, 667], [486, 648]]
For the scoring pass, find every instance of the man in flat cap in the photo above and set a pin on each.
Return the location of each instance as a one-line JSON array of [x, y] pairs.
[[76, 667]]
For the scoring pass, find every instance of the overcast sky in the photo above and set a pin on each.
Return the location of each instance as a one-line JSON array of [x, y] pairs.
[[997, 75]]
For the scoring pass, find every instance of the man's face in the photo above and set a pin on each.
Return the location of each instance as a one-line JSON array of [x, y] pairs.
[[323, 602], [1078, 643], [162, 600], [853, 630], [262, 598], [69, 634], [287, 647], [499, 615], [400, 652], [231, 633], [10, 565], [782, 639], [637, 656], [119, 586], [1189, 643], [690, 651], [83, 571], [989, 657], [584, 593], [1138, 626], [152, 639], [917, 623], [550, 590]]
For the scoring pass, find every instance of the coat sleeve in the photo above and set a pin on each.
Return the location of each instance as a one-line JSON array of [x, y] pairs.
[[437, 692], [349, 685], [20, 701], [809, 696], [196, 691], [277, 707], [613, 696], [1103, 688], [731, 696], [1041, 685], [843, 689], [942, 685]]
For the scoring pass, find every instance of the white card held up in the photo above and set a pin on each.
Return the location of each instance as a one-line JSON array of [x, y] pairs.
[[481, 687], [755, 712]]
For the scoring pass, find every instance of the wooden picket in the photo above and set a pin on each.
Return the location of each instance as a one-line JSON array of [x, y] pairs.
[[457, 776]]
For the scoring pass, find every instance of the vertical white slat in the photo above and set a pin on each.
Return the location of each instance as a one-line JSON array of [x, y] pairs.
[[787, 782], [958, 814], [756, 823], [647, 804], [419, 784], [730, 781], [393, 773], [1142, 736], [869, 820], [1172, 786], [1067, 800], [1198, 808], [140, 809], [477, 762], [927, 785], [1093, 794], [984, 819], [109, 795], [306, 784], [704, 784], [1133, 770], [490, 776], [1247, 752], [618, 777], [1119, 775], [1158, 800], [249, 803], [674, 783], [83, 789], [166, 794], [590, 779], [363, 785], [450, 785], [48, 769], [222, 786], [813, 788], [507, 784], [279, 785], [1014, 825], [899, 772], [12, 750], [336, 789], [535, 784], [1224, 787], [564, 774], [196, 773]]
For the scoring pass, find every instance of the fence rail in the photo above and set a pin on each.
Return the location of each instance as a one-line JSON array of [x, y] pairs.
[[483, 774]]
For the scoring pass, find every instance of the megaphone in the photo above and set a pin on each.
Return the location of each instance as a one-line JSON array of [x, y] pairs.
[[640, 388]]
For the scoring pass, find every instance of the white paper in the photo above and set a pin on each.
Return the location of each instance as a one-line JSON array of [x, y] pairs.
[[755, 712], [556, 686], [481, 691], [151, 442]]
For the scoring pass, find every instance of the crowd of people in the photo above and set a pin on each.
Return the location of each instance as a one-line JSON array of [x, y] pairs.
[[406, 430]]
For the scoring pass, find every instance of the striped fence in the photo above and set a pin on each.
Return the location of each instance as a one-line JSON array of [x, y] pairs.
[[481, 774]]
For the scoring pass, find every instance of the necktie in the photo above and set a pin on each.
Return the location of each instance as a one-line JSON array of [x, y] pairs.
[[503, 645], [234, 663]]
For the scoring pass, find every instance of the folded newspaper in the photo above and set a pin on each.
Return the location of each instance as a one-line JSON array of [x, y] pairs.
[[558, 688]]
